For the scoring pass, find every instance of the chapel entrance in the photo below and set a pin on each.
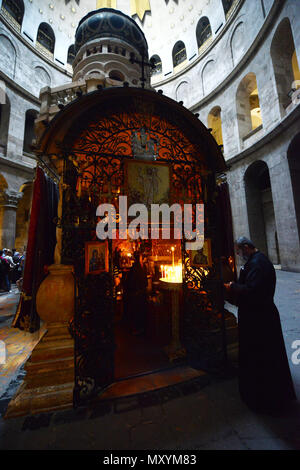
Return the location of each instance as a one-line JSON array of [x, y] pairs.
[[144, 318]]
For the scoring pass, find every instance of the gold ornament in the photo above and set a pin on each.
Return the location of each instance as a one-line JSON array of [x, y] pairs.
[[139, 7], [106, 4]]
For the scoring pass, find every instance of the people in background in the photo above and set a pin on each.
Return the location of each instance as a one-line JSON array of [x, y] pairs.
[[6, 266], [17, 270], [19, 282], [11, 268]]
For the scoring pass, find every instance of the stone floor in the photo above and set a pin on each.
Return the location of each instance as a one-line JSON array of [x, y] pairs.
[[195, 415], [19, 344]]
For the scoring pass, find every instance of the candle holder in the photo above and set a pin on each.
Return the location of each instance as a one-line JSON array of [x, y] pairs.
[[174, 350]]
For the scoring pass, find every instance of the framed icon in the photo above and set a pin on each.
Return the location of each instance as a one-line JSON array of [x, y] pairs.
[[147, 182], [96, 257], [201, 258]]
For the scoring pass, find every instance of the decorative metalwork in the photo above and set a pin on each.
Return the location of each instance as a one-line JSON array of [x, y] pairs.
[[93, 334], [143, 146]]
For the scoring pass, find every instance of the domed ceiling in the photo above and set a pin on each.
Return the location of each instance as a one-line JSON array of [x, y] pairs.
[[163, 21], [108, 22]]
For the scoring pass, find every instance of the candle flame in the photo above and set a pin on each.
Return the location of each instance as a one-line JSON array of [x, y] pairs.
[[171, 273]]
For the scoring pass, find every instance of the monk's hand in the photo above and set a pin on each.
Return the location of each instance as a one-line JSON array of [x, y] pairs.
[[228, 286]]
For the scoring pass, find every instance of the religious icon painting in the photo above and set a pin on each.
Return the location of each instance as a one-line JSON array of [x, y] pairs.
[[201, 258], [96, 257], [147, 182]]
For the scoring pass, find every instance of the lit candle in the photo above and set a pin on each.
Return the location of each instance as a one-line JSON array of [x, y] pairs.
[[172, 248]]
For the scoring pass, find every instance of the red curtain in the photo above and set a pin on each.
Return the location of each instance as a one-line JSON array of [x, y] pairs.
[[40, 249]]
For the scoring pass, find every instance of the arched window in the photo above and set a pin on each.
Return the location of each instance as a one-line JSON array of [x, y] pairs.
[[71, 54], [116, 75], [227, 4], [285, 63], [179, 53], [203, 31], [156, 61], [45, 37], [14, 9], [215, 123], [248, 105], [29, 135]]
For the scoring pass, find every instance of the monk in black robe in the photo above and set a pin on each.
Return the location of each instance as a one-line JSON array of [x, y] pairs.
[[136, 295], [265, 380]]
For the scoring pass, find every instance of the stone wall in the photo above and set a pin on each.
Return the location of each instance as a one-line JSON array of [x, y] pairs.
[[23, 72]]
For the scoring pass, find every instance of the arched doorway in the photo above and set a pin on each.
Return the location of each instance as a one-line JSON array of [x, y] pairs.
[[294, 166], [260, 208]]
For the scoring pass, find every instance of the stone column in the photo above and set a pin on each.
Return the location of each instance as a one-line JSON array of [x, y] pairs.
[[8, 213]]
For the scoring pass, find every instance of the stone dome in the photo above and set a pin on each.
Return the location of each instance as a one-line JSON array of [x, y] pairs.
[[108, 22]]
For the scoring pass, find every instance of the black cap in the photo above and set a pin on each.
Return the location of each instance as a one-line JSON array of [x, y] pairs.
[[245, 241]]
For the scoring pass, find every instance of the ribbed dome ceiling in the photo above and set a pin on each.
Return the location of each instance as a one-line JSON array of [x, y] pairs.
[[108, 22]]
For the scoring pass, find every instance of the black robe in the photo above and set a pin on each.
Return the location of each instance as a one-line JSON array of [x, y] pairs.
[[135, 296], [265, 380]]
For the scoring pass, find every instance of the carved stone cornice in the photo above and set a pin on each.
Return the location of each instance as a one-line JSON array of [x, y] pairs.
[[10, 198]]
